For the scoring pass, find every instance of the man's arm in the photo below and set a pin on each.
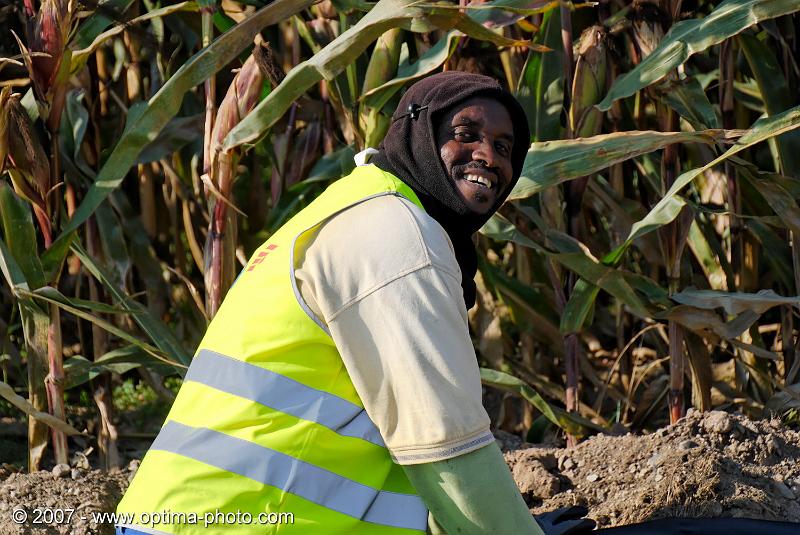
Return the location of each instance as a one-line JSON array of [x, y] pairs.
[[473, 493]]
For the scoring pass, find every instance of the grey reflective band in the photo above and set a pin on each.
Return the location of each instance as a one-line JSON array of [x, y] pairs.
[[283, 394], [292, 475]]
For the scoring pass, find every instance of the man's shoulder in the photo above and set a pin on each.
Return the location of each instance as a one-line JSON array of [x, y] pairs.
[[392, 222], [368, 246], [390, 209]]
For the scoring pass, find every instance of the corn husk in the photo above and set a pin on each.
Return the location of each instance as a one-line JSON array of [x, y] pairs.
[[382, 67], [242, 96], [47, 56], [4, 112], [21, 153], [589, 82], [648, 30]]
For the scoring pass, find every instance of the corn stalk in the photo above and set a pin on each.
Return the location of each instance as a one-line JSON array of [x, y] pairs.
[[241, 97], [586, 89]]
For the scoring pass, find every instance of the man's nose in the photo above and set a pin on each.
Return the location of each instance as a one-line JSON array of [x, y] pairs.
[[484, 151]]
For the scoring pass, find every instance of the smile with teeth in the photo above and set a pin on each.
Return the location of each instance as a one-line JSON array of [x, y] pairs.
[[475, 179]]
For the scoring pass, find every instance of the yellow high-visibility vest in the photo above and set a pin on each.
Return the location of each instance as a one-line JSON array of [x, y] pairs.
[[267, 420]]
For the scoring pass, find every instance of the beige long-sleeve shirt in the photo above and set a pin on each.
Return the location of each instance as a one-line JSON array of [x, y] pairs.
[[383, 277]]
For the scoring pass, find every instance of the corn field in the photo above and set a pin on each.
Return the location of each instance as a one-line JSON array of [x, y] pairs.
[[645, 263]]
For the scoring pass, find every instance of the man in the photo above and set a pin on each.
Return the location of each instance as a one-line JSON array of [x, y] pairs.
[[338, 382]]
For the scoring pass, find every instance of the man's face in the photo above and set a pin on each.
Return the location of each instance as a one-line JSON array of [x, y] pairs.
[[475, 139]]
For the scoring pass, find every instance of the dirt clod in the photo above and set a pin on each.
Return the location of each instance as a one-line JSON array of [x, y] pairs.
[[718, 422], [535, 480], [711, 464], [61, 470]]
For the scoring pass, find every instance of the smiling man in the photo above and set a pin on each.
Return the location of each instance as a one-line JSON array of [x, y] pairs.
[[338, 382]]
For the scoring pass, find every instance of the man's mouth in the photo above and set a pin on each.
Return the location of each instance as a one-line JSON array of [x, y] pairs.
[[481, 180], [475, 179]]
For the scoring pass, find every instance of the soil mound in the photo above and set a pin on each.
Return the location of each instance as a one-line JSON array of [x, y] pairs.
[[60, 501], [707, 465]]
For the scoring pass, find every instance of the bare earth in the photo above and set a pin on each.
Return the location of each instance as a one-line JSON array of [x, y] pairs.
[[707, 465], [711, 465], [89, 491]]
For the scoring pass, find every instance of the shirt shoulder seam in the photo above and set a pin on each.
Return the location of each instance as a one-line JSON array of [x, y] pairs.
[[424, 247], [361, 295], [427, 262]]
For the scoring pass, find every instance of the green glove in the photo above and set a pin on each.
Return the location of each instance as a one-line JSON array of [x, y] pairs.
[[473, 493]]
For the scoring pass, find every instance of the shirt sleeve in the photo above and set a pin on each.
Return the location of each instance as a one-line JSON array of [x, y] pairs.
[[395, 310]]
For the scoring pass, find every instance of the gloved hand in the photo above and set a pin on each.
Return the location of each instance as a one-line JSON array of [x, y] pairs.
[[566, 521]]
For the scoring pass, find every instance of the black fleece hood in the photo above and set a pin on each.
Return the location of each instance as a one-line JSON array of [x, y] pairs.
[[409, 152]]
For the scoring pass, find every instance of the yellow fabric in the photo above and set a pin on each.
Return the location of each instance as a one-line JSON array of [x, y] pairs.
[[261, 323]]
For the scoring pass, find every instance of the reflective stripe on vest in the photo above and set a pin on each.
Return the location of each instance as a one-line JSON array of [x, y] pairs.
[[293, 475], [283, 394]]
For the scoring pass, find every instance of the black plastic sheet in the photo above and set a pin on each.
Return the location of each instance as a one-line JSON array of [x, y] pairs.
[[705, 526]]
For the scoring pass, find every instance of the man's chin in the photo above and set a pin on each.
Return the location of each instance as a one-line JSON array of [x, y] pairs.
[[477, 198]]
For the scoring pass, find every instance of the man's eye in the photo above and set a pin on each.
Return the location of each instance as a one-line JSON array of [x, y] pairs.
[[463, 136], [503, 149]]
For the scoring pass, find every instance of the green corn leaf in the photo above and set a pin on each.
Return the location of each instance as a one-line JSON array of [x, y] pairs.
[[343, 51], [53, 296], [779, 258], [178, 133], [79, 370], [501, 229], [346, 6], [83, 304], [573, 255], [573, 424], [332, 166], [143, 127], [326, 64], [99, 20], [536, 305], [20, 258], [540, 90], [580, 307], [778, 198], [115, 250], [691, 36], [776, 96], [22, 404], [550, 163], [670, 205], [430, 61], [157, 330], [76, 121], [706, 256], [13, 274], [734, 302], [80, 57], [138, 243], [691, 102]]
